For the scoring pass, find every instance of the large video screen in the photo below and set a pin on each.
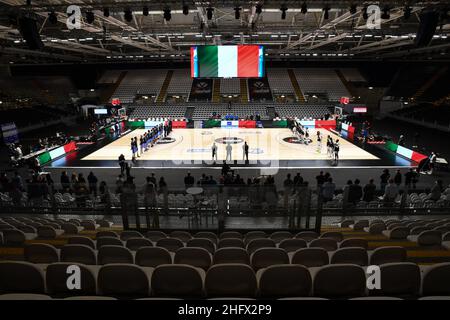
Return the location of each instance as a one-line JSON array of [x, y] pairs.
[[242, 61]]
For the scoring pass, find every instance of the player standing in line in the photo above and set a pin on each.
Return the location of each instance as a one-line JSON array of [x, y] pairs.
[[319, 142], [214, 151], [329, 146], [336, 150], [229, 149]]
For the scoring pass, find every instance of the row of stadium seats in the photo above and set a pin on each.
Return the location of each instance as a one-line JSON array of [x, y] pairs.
[[127, 281]]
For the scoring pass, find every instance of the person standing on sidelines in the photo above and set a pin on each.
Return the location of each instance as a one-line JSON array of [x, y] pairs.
[[336, 150], [319, 142], [214, 151], [229, 149], [245, 149]]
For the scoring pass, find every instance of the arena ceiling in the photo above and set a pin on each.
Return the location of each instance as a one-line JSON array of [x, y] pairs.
[[330, 30]]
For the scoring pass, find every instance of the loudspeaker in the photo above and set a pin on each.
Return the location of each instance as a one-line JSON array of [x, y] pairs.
[[28, 29], [428, 23]]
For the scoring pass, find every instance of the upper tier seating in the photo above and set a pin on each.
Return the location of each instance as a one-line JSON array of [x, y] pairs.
[[279, 81], [144, 82], [152, 111], [318, 80], [230, 86], [181, 83]]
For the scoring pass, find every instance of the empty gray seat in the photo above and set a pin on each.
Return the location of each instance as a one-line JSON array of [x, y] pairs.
[[399, 279], [78, 253], [136, 243], [124, 280], [196, 257], [397, 233], [388, 254], [436, 280], [108, 241], [375, 228], [231, 234], [359, 225], [252, 235], [70, 228], [230, 280], [354, 242], [292, 245], [307, 235], [106, 233], [152, 256], [114, 254], [21, 277], [265, 257], [41, 253], [325, 243], [337, 236], [310, 257], [256, 244], [284, 280], [127, 234], [82, 240], [231, 255], [339, 281], [353, 255], [279, 236], [178, 280], [427, 238], [231, 242], [155, 235], [204, 243], [207, 235], [57, 276], [13, 237], [181, 235], [171, 244]]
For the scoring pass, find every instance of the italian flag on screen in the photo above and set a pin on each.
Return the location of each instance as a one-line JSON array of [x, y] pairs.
[[244, 61]]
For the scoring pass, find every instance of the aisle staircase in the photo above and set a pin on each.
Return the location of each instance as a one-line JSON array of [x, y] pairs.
[[107, 95], [298, 91], [348, 85], [244, 90], [216, 90], [163, 92], [429, 83]]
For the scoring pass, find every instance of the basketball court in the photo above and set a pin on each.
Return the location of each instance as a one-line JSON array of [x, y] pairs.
[[264, 144]]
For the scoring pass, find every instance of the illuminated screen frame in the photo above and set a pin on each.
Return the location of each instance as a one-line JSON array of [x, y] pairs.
[[239, 58]]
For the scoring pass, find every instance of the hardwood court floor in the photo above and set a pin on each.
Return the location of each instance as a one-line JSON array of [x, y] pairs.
[[264, 144]]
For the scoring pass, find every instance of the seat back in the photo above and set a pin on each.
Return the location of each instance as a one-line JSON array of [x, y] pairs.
[[41, 253], [285, 280], [171, 244], [78, 253], [292, 245], [231, 255], [179, 280], [339, 281], [114, 254], [57, 276], [230, 280], [196, 257], [354, 255], [152, 256], [310, 257], [388, 254], [19, 276], [123, 280]]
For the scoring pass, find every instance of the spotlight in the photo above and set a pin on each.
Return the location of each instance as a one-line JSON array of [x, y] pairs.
[[258, 8], [237, 13], [365, 14], [145, 11], [304, 8], [167, 14], [385, 15], [185, 9], [90, 17], [106, 12], [353, 9], [283, 11], [52, 17], [407, 12], [128, 15], [325, 12], [209, 12]]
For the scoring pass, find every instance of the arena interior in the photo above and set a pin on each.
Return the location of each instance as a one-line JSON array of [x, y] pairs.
[[260, 151]]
